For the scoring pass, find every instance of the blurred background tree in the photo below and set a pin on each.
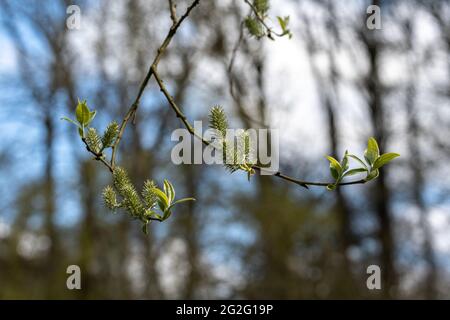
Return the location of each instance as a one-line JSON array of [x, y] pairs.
[[331, 86]]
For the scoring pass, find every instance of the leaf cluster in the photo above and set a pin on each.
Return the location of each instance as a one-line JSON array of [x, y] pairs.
[[96, 143], [373, 162], [256, 21]]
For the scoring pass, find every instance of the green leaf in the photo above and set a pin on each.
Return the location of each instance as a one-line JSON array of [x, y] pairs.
[[335, 167], [331, 187], [354, 171], [71, 121], [372, 152], [169, 191], [180, 201], [163, 201], [282, 22], [344, 162], [372, 175], [334, 172], [383, 159], [359, 160], [161, 205], [92, 116], [83, 113], [334, 162]]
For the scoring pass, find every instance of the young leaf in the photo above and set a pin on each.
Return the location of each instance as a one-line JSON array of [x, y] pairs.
[[372, 175], [334, 172], [372, 152], [169, 191], [334, 162], [335, 167], [71, 121], [354, 171], [92, 116], [82, 113], [163, 201], [359, 160], [180, 201], [283, 22], [383, 159], [331, 187], [344, 162]]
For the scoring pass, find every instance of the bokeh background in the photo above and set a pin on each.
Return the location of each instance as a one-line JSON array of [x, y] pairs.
[[329, 88]]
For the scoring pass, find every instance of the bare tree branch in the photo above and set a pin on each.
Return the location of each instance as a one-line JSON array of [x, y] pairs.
[[173, 11]]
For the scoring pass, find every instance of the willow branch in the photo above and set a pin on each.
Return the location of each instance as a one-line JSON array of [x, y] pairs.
[[179, 113]]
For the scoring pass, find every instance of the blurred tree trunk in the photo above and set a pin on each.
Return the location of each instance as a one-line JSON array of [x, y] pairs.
[[188, 222], [329, 98], [89, 233], [416, 163], [381, 195], [42, 80], [52, 263], [190, 225]]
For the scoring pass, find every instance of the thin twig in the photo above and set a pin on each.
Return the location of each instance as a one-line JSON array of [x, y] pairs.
[[177, 110], [231, 82], [173, 11], [98, 156], [135, 105]]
